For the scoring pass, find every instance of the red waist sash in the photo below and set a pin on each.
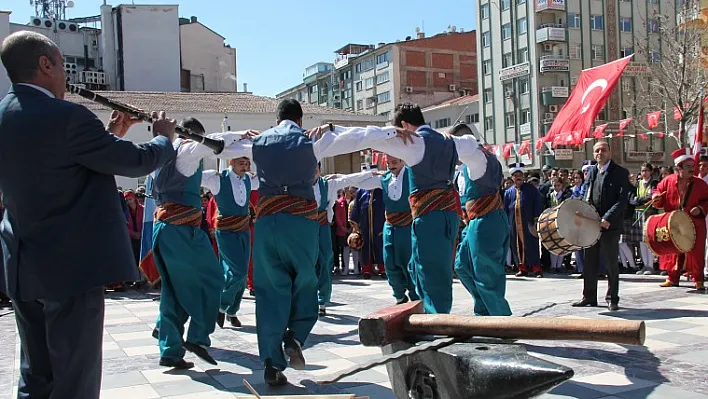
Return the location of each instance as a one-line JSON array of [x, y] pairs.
[[399, 219], [179, 215], [437, 199], [232, 223], [287, 204], [322, 218], [481, 206]]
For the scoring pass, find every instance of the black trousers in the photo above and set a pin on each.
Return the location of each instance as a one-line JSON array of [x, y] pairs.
[[61, 346], [608, 248]]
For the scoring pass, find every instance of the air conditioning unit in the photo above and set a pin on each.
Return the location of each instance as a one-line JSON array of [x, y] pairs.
[[452, 87], [548, 115], [36, 21], [409, 89], [92, 77], [552, 108], [547, 47], [72, 73], [67, 26], [47, 23]]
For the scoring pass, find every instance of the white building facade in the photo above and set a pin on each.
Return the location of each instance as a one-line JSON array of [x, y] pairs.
[[445, 115], [531, 53], [209, 63]]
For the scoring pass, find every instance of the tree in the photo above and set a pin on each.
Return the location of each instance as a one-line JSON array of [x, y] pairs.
[[676, 75]]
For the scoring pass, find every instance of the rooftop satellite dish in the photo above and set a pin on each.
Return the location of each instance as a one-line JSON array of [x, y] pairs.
[[70, 4], [417, 30]]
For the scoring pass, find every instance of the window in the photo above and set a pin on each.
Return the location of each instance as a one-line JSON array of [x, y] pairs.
[[313, 89], [575, 52], [523, 85], [520, 1], [472, 118], [488, 123], [487, 95], [597, 22], [653, 26], [626, 51], [484, 11], [386, 114], [487, 67], [486, 39], [573, 20], [654, 56], [359, 86], [506, 4], [652, 1], [358, 67], [525, 116], [522, 55], [360, 104], [381, 58], [521, 26], [383, 97], [369, 83], [509, 120], [625, 24], [506, 31], [383, 78], [506, 60], [507, 88], [440, 123], [598, 52]]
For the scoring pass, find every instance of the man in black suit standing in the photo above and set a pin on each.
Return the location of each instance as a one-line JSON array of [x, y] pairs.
[[607, 189], [63, 234]]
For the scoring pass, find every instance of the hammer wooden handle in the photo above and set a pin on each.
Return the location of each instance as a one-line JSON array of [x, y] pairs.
[[528, 328]]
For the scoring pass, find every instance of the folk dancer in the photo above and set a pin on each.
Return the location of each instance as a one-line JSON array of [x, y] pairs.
[[231, 189], [684, 191], [640, 199], [523, 205], [367, 218], [325, 191], [284, 254], [192, 278], [481, 255], [431, 159], [397, 249]]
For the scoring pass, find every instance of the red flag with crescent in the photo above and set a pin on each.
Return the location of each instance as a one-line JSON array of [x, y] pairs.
[[587, 99], [653, 119]]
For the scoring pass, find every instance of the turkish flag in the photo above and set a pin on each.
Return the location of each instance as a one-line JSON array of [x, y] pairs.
[[506, 150], [653, 119], [599, 131], [525, 147], [589, 97], [623, 125], [677, 113]]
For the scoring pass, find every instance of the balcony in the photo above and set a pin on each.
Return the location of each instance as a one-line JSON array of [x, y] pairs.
[[550, 5], [551, 33], [554, 63], [554, 95]]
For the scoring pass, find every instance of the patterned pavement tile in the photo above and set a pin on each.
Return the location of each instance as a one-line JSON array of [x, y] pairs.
[[672, 360]]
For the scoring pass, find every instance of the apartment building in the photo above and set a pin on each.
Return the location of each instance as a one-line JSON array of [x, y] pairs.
[[373, 79], [532, 51]]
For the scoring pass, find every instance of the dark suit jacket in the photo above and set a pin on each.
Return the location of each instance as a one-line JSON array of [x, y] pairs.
[[63, 230], [614, 196]]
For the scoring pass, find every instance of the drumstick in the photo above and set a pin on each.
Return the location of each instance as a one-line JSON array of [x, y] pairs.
[[250, 388], [649, 204], [580, 215]]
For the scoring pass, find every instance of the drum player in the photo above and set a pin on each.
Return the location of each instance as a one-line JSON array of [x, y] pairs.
[[684, 191]]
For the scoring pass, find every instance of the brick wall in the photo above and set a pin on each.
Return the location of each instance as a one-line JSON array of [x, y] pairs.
[[430, 65]]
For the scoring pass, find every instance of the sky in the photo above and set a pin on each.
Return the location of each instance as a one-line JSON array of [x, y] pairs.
[[277, 39]]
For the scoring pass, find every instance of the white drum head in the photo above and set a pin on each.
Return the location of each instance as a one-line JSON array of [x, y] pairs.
[[584, 231]]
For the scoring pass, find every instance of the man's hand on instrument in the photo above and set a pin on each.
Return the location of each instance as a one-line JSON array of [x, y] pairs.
[[250, 134], [377, 172], [120, 123], [317, 133], [696, 211], [161, 126], [604, 224], [406, 135]]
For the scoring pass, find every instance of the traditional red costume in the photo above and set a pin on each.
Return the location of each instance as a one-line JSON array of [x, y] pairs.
[[674, 198]]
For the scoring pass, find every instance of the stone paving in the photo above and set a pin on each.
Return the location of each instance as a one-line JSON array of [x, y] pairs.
[[672, 364]]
